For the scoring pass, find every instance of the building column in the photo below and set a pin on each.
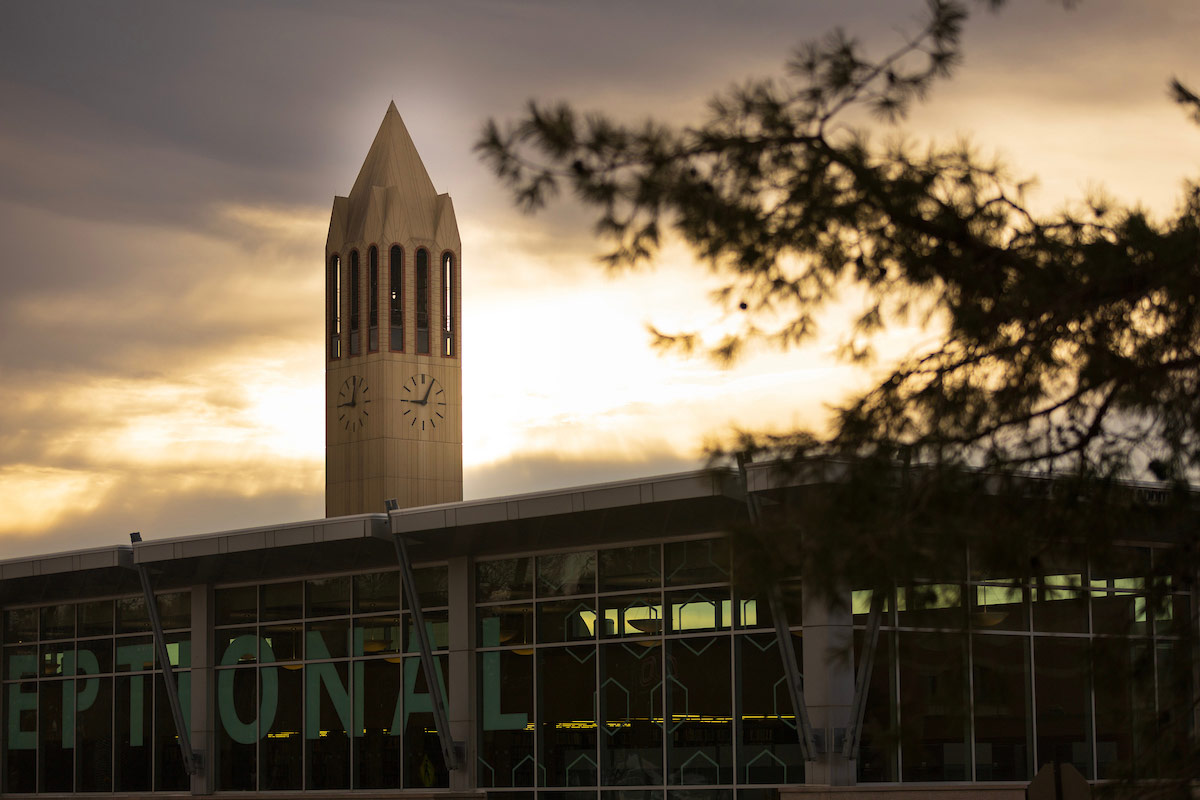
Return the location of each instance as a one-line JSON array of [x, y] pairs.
[[828, 664], [203, 723], [461, 676]]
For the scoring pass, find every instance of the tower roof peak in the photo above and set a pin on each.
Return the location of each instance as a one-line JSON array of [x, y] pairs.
[[392, 161]]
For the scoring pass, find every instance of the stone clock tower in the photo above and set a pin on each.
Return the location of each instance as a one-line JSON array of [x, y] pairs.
[[393, 368]]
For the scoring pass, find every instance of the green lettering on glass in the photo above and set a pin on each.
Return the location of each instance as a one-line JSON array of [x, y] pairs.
[[417, 702], [19, 701], [323, 676], [82, 662], [136, 656], [493, 719], [240, 731]]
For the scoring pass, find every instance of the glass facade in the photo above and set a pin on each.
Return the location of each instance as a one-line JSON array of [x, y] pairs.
[[630, 669], [633, 671], [84, 699], [989, 680], [318, 685]]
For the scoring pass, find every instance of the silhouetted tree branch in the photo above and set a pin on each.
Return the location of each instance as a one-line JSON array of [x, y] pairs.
[[1069, 342]]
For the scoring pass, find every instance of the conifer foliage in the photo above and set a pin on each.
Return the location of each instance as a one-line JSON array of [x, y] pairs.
[[1068, 362]]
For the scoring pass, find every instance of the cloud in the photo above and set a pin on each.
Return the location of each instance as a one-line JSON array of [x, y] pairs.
[[544, 470]]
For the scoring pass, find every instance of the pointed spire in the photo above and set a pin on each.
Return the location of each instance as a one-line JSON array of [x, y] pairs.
[[392, 161]]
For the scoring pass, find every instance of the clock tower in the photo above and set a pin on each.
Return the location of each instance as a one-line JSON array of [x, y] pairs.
[[393, 368]]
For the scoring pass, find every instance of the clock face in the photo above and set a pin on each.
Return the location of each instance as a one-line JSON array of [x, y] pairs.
[[424, 403], [354, 404]]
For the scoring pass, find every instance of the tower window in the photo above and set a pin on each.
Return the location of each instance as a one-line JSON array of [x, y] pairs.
[[396, 310], [423, 301], [373, 299], [333, 299], [355, 292], [448, 304]]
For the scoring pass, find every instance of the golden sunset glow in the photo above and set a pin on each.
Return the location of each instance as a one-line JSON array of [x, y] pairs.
[[164, 218]]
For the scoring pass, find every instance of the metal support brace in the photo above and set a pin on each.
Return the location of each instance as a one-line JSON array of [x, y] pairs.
[[863, 679], [795, 680], [452, 751], [191, 759]]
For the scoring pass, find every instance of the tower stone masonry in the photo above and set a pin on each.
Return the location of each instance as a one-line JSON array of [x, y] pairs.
[[393, 340]]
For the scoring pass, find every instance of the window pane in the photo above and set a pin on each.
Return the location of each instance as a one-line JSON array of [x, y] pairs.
[[998, 608], [506, 742], [377, 635], [1003, 735], [877, 754], [507, 579], [134, 706], [769, 751], [131, 615], [134, 654], [700, 711], [329, 639], [236, 606], [373, 299], [448, 279], [58, 622], [281, 749], [632, 615], [169, 774], [935, 605], [505, 625], [377, 591], [704, 561], [282, 642], [422, 286], [1060, 609], [566, 724], [628, 568], [94, 734], [566, 620], [1062, 695], [20, 739], [333, 301], [55, 762], [933, 705], [237, 733], [1124, 697], [432, 585], [377, 750], [355, 303], [327, 704], [396, 302], [328, 596], [96, 619], [57, 658], [700, 610], [424, 766], [566, 573], [175, 610], [281, 601], [21, 625], [631, 738]]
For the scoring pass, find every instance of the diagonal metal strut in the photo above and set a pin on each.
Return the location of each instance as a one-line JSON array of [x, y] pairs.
[[191, 759], [787, 652], [451, 750]]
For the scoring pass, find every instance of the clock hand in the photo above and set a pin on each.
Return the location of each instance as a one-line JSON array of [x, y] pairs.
[[425, 399], [345, 405]]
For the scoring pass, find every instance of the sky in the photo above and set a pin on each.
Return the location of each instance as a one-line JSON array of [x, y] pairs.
[[166, 176]]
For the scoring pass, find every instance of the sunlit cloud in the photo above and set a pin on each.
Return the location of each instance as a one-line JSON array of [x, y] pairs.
[[164, 225]]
